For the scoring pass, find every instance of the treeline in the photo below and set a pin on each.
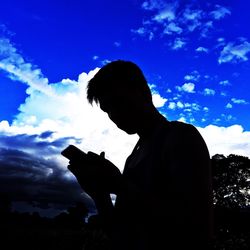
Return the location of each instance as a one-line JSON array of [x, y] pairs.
[[69, 230], [231, 192], [66, 231]]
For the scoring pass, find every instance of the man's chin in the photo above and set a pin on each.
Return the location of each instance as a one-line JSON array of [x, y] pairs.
[[129, 131]]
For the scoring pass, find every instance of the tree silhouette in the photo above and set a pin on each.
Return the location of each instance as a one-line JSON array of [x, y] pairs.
[[5, 204], [74, 217], [231, 190], [231, 181]]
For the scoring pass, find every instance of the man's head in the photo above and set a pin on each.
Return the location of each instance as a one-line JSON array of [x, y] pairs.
[[121, 90], [117, 75]]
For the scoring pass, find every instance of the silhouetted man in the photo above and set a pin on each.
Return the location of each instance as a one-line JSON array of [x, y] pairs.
[[164, 195]]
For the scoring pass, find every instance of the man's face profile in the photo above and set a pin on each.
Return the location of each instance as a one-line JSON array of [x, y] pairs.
[[123, 107]]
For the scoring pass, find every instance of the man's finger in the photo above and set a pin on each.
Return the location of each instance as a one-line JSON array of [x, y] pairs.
[[70, 167], [102, 154]]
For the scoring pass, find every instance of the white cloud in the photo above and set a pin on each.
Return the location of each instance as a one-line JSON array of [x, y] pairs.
[[195, 106], [172, 17], [142, 31], [187, 107], [166, 12], [153, 4], [158, 100], [172, 28], [229, 106], [180, 105], [117, 44], [182, 119], [202, 49], [208, 91], [192, 17], [139, 31], [220, 12], [221, 39], [105, 61], [171, 105], [234, 53], [227, 140], [225, 83], [16, 67], [205, 28], [228, 117], [221, 42], [178, 44], [191, 14], [187, 87], [222, 93], [193, 76], [239, 101], [177, 96]]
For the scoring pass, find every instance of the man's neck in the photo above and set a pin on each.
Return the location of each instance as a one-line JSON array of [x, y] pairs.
[[149, 123]]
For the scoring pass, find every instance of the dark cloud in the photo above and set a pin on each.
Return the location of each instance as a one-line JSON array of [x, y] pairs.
[[46, 134], [27, 175], [36, 143], [62, 142]]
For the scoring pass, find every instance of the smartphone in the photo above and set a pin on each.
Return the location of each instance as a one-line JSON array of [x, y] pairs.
[[73, 152]]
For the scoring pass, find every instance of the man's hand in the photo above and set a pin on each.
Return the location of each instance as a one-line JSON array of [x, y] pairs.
[[95, 174]]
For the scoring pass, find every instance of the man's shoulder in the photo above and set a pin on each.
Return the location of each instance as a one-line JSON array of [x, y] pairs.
[[178, 127], [178, 133]]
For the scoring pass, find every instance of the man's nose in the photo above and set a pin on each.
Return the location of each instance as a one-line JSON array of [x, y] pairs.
[[112, 115]]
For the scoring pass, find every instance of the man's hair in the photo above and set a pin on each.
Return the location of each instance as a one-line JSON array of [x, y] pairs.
[[115, 74]]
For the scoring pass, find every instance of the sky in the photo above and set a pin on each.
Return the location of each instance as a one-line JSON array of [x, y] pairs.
[[195, 57]]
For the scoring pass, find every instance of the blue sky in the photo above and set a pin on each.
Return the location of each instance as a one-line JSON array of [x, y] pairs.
[[198, 50], [194, 54]]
